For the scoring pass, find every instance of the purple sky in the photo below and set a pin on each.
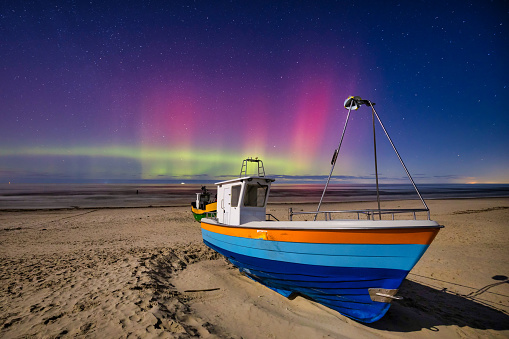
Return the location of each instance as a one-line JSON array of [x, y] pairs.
[[131, 90]]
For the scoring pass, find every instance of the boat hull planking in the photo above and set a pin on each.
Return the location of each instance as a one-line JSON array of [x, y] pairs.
[[338, 273]]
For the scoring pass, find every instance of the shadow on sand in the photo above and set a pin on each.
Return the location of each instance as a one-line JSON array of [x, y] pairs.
[[426, 307]]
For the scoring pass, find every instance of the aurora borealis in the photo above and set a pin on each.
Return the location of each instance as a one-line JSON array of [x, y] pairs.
[[180, 90]]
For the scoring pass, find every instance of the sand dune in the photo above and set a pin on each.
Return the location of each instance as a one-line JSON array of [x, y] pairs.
[[144, 272]]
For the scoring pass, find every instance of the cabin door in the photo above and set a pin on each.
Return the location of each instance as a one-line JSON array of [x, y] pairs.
[[226, 204]]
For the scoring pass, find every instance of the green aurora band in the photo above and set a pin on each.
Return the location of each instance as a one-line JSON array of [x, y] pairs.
[[160, 163]]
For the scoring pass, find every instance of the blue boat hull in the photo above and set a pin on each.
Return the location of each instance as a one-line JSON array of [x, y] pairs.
[[344, 289]]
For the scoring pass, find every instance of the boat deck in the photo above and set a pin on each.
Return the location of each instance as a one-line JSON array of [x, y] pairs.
[[339, 224]]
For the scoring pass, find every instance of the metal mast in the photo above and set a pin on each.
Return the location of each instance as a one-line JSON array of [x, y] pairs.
[[354, 103]]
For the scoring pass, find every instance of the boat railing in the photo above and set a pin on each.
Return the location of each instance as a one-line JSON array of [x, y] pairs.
[[209, 214], [259, 164], [371, 214], [269, 216]]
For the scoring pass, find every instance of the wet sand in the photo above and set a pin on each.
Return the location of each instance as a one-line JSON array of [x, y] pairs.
[[144, 272]]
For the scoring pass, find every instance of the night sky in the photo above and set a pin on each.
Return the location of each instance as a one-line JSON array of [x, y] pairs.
[[157, 90]]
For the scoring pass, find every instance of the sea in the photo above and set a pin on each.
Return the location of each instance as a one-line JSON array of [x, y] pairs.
[[78, 196]]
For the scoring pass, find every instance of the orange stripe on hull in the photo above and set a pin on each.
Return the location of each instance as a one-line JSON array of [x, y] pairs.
[[423, 236]]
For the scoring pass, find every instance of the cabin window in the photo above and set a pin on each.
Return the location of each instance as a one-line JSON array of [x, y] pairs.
[[255, 195], [235, 195]]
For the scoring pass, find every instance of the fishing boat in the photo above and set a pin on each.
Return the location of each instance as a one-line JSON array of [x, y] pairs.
[[352, 265], [204, 205]]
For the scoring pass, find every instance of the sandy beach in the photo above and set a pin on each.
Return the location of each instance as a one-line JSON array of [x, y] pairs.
[[144, 272]]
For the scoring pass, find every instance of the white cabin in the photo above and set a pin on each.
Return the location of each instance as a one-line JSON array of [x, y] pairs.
[[242, 200]]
